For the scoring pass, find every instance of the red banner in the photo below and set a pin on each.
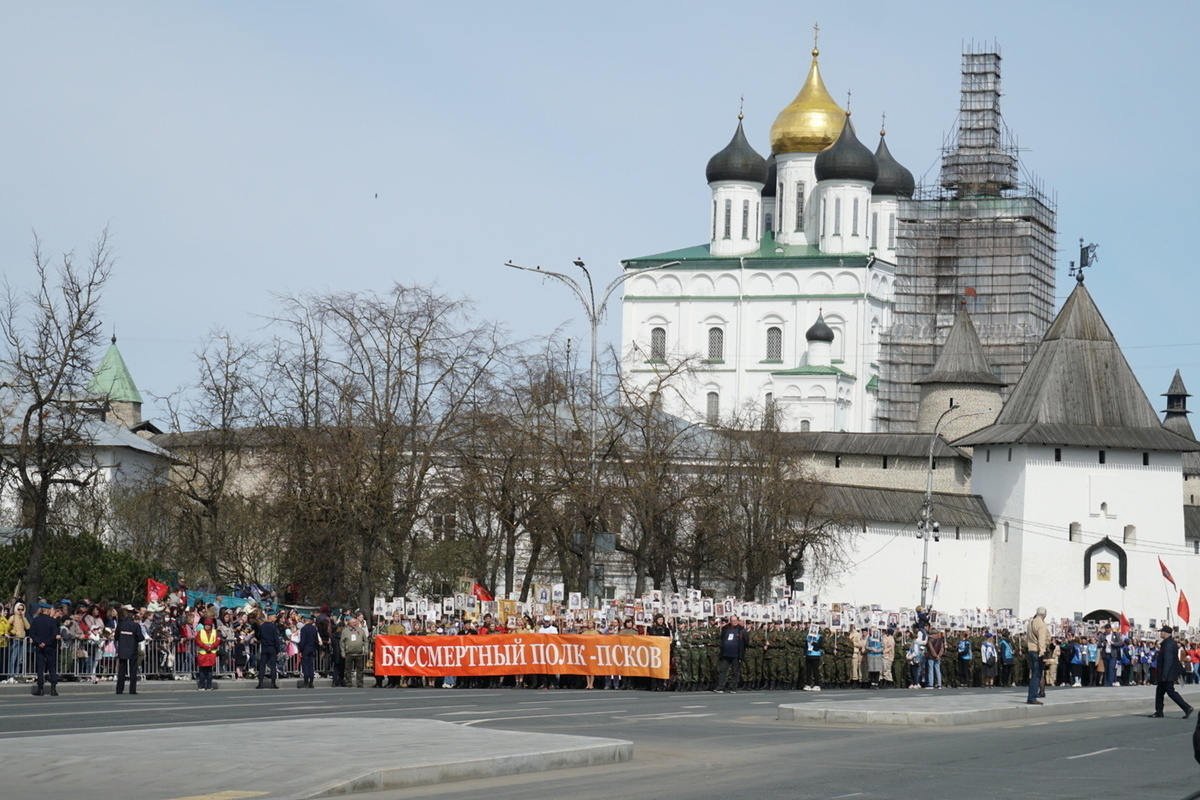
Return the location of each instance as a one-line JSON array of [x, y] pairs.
[[523, 654], [155, 591]]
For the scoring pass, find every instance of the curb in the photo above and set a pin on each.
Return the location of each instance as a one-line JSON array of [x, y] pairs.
[[605, 751], [809, 713]]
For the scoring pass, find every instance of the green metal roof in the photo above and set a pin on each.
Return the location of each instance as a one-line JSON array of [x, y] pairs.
[[811, 370], [873, 384], [700, 257], [112, 379]]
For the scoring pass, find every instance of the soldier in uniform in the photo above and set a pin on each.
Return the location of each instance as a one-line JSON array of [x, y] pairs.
[[755, 661], [858, 652], [889, 656]]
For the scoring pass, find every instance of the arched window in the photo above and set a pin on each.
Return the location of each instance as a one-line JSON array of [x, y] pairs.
[[712, 410], [805, 425], [891, 231], [728, 218], [854, 220], [658, 344], [716, 344], [799, 205], [837, 216], [774, 343], [745, 219]]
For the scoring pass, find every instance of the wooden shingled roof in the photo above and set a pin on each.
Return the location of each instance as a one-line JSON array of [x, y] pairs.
[[868, 504], [962, 359], [1079, 390]]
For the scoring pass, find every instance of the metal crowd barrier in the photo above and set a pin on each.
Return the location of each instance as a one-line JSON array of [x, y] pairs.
[[161, 659]]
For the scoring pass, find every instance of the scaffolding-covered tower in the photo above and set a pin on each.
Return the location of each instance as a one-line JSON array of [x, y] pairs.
[[980, 237]]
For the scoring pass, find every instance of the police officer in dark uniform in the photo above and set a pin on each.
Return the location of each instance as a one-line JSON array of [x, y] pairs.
[[308, 653], [129, 637], [44, 635], [269, 645]]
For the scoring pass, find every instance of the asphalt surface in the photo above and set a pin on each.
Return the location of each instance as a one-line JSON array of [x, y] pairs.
[[685, 745]]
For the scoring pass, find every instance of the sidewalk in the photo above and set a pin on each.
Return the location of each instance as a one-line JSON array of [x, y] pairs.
[[267, 760], [922, 707]]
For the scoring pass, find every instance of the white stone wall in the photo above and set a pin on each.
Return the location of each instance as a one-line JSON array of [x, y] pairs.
[[886, 569], [882, 222], [1039, 498], [847, 231]]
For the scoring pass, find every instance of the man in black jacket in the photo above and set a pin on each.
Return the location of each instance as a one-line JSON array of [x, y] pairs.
[[129, 637], [44, 636], [734, 640], [1169, 669], [308, 653], [269, 645]]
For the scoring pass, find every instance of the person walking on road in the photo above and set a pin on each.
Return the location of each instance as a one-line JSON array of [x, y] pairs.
[[734, 640], [1169, 670], [1037, 642]]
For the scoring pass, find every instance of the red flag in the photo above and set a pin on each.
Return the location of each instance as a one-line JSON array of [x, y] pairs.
[[483, 594], [1166, 572], [970, 292], [155, 591], [1124, 624], [1184, 611]]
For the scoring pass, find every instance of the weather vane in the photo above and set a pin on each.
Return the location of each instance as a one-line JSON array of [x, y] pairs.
[[1087, 258]]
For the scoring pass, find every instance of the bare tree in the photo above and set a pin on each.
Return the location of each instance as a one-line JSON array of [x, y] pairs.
[[370, 392], [50, 337]]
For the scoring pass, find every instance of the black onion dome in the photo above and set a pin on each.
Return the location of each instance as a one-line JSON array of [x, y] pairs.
[[893, 177], [847, 159], [737, 162], [772, 177], [819, 332]]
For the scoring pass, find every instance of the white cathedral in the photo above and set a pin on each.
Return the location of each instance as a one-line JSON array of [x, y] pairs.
[[781, 311], [1066, 494]]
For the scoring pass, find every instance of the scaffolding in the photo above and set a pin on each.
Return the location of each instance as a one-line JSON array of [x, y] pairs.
[[980, 236]]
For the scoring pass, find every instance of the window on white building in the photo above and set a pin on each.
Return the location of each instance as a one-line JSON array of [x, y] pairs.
[[712, 410], [805, 425], [891, 231], [774, 343], [1130, 534], [728, 218], [714, 236], [799, 206], [658, 344], [875, 227], [837, 216], [745, 219], [716, 344], [854, 220], [1075, 532]]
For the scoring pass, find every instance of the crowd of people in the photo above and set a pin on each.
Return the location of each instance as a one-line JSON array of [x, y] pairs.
[[207, 640]]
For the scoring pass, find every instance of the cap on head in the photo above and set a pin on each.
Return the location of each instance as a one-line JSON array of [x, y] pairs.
[[1166, 629]]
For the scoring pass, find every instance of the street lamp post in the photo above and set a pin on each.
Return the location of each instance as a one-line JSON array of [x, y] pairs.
[[927, 528], [595, 313]]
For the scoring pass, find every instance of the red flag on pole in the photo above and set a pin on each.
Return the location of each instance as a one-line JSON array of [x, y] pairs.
[[480, 592], [1124, 624], [155, 591], [1166, 572], [1184, 611]]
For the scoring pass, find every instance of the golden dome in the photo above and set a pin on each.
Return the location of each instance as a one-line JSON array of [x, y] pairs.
[[812, 122]]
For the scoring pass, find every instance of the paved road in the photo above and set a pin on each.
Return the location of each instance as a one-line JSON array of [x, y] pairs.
[[686, 745]]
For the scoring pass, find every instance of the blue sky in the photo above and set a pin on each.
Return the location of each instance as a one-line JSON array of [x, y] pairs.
[[236, 149]]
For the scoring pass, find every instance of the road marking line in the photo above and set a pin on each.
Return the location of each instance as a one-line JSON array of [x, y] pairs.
[[763, 703], [540, 716], [693, 706], [233, 794], [1098, 752]]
